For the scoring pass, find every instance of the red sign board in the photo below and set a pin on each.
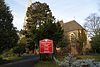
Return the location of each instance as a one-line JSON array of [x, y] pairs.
[[46, 46]]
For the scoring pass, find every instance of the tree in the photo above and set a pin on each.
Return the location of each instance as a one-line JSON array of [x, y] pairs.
[[93, 27], [51, 31], [30, 36], [8, 33], [37, 14], [92, 24], [82, 39], [19, 49], [41, 25], [96, 43]]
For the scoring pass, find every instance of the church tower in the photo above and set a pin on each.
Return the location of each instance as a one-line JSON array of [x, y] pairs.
[[25, 22]]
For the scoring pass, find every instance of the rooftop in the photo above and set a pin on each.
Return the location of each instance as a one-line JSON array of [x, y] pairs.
[[71, 26]]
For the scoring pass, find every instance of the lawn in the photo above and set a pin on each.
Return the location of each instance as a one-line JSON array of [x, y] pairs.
[[12, 58], [4, 60], [95, 57], [61, 58], [46, 64]]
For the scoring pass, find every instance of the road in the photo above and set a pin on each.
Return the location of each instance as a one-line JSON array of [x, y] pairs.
[[28, 61]]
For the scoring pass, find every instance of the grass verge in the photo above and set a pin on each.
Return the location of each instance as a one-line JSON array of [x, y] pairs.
[[5, 60], [95, 57], [46, 64]]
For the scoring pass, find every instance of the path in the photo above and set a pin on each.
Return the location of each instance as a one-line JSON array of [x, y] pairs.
[[28, 61]]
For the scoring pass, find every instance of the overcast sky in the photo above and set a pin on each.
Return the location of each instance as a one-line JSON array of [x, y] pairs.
[[65, 10]]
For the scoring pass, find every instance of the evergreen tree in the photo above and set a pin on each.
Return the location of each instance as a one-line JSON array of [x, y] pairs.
[[39, 13], [40, 25], [8, 33], [51, 31], [96, 43], [30, 38]]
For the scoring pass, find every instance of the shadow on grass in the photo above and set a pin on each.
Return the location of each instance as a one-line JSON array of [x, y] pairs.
[[46, 64], [2, 61], [95, 57]]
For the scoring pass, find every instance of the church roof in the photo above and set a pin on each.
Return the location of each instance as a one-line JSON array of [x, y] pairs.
[[71, 26]]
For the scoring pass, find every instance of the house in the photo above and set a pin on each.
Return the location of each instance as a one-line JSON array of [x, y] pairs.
[[72, 30]]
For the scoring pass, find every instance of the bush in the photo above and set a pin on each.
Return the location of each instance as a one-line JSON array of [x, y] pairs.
[[19, 49], [1, 58], [46, 57]]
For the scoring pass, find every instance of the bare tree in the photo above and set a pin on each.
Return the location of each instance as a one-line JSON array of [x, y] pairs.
[[92, 24]]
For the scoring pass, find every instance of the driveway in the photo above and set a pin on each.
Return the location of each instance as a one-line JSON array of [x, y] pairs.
[[27, 61]]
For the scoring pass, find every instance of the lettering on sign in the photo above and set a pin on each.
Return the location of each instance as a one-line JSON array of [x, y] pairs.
[[46, 46]]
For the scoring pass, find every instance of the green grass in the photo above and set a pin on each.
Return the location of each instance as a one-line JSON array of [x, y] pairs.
[[95, 57], [12, 58], [46, 64], [4, 60]]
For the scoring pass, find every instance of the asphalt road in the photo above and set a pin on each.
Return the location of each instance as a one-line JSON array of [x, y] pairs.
[[28, 61]]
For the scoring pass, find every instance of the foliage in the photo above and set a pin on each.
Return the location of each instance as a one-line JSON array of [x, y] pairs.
[[96, 43], [30, 35], [23, 41], [63, 43], [41, 25], [92, 24], [93, 27], [39, 13], [19, 49], [8, 53], [82, 39], [8, 33], [51, 31], [46, 57]]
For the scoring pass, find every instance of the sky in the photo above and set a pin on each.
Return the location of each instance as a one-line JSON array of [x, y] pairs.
[[65, 10]]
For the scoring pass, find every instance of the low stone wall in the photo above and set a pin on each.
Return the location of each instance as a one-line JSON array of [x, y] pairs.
[[71, 61]]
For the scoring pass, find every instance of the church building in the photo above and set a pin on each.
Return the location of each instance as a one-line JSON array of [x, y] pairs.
[[72, 30]]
